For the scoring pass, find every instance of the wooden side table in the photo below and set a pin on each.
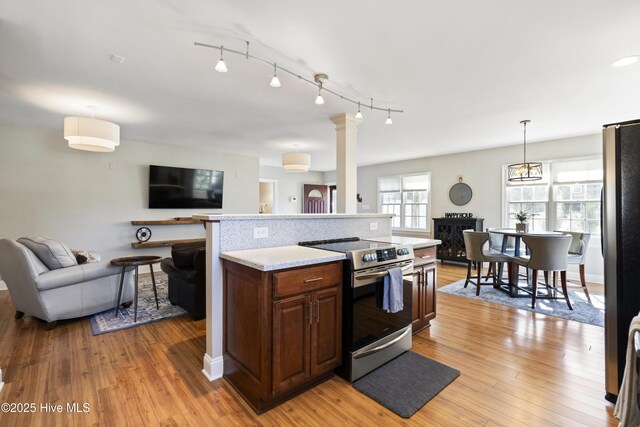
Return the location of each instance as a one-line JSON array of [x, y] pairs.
[[135, 261]]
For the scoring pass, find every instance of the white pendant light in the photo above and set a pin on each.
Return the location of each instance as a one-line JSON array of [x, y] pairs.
[[358, 114], [296, 162], [525, 171], [388, 121], [275, 81], [221, 67], [89, 134], [319, 98]]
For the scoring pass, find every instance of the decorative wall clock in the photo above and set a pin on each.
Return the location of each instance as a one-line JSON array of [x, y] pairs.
[[143, 234]]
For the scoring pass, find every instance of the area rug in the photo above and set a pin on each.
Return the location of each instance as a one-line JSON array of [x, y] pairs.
[[102, 323], [583, 310], [406, 383]]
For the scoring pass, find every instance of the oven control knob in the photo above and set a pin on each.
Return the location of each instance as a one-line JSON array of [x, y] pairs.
[[368, 257], [403, 251]]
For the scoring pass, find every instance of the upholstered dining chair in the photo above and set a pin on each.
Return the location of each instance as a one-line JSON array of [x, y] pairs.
[[547, 253], [578, 253], [474, 244]]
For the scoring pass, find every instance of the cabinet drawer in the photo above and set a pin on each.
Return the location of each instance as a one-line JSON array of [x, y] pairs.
[[425, 254], [291, 282]]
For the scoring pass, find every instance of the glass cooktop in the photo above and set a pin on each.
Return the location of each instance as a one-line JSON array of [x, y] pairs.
[[345, 245]]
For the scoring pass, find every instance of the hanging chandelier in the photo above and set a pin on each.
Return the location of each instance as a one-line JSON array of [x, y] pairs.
[[318, 80], [525, 171]]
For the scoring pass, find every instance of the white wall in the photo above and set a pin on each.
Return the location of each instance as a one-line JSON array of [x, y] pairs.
[[289, 184], [482, 171], [87, 200]]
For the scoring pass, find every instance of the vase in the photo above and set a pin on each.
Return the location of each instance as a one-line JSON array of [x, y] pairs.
[[522, 227]]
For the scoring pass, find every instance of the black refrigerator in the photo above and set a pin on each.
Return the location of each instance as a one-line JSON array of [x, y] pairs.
[[620, 243]]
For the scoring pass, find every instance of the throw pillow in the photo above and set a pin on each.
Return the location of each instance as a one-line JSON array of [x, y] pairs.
[[52, 253], [83, 257]]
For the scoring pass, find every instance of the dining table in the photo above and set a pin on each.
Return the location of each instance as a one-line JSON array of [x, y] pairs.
[[512, 287]]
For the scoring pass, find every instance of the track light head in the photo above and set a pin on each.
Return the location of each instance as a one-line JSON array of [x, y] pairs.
[[275, 81], [221, 67], [388, 121]]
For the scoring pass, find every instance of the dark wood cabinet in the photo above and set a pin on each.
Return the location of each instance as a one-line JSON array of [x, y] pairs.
[[282, 330], [424, 288], [449, 231]]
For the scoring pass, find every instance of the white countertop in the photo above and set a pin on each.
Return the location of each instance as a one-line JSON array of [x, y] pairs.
[[267, 259], [415, 242], [254, 217]]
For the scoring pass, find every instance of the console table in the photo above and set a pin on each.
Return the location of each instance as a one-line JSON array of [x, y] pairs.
[[449, 231]]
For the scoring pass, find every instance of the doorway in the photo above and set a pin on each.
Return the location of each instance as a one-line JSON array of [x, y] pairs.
[[267, 203]]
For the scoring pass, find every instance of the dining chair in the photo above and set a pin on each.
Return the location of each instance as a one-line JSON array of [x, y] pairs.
[[578, 253], [474, 244], [547, 253]]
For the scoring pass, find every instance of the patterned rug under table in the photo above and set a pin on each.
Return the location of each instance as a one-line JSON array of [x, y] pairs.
[[102, 323], [583, 310]]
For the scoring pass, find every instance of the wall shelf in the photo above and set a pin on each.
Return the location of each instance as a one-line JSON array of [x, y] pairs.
[[166, 221], [162, 243]]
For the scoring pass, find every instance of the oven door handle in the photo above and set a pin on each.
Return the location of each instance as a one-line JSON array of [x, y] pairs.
[[361, 354], [405, 271]]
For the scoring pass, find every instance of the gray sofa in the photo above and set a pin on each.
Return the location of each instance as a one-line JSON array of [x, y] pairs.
[[45, 280]]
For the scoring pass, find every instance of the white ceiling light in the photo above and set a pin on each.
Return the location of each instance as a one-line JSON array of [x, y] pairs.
[[388, 121], [525, 171], [89, 134], [275, 81], [296, 162], [627, 60], [221, 67], [358, 114], [319, 79]]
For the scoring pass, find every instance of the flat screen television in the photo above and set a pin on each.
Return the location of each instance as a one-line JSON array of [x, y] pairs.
[[182, 188]]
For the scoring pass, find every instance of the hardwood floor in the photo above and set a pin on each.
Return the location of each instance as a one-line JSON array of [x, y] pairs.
[[517, 368]]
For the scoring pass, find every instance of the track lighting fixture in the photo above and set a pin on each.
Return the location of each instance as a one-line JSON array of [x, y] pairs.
[[318, 79], [275, 81], [221, 67]]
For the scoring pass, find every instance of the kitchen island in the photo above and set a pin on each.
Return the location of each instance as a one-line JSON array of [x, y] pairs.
[[226, 234]]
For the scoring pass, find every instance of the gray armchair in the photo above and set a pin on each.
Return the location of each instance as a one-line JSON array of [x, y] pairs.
[[45, 281]]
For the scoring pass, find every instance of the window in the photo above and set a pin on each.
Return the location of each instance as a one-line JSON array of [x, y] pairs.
[[568, 197], [407, 198]]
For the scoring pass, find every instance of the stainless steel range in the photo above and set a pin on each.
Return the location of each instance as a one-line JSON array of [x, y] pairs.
[[371, 336]]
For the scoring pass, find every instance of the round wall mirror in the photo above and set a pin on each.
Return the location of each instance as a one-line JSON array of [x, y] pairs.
[[460, 194]]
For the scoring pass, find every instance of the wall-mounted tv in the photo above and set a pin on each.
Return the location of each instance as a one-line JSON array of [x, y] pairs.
[[182, 188]]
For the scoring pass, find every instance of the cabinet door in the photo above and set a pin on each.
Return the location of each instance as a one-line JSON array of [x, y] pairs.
[[291, 324], [428, 296], [326, 330], [416, 296]]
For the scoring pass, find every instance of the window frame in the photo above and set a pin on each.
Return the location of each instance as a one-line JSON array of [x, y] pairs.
[[402, 218], [552, 202]]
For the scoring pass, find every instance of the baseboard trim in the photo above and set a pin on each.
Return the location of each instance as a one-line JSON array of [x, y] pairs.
[[213, 368]]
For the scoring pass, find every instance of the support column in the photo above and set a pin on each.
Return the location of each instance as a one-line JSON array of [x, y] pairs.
[[212, 363], [346, 163]]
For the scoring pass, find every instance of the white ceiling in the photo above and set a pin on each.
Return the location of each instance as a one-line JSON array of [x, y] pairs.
[[464, 72]]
